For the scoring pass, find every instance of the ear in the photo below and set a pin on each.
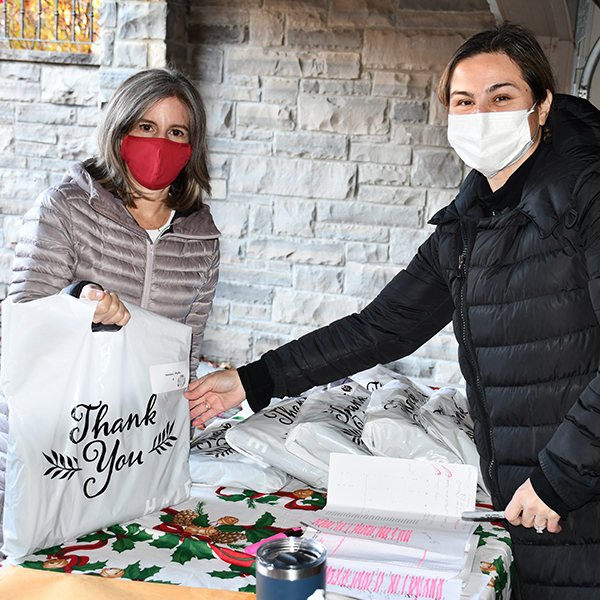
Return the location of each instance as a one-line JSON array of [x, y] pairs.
[[544, 108]]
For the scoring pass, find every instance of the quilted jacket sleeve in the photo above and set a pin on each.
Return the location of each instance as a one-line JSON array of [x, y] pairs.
[[45, 256], [570, 463], [412, 308]]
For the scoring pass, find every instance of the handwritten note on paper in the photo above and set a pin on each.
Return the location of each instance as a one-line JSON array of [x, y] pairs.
[[415, 504], [381, 486]]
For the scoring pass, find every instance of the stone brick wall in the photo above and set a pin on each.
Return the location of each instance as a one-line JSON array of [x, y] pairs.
[[329, 155], [327, 143], [50, 105]]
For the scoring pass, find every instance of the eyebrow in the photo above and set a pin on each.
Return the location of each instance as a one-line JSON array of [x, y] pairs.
[[174, 126], [489, 90]]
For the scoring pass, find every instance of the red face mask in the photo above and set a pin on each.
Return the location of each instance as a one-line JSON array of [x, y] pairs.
[[154, 162]]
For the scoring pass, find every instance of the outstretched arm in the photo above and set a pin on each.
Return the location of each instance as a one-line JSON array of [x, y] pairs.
[[214, 393]]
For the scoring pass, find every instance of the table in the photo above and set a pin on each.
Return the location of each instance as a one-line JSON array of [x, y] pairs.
[[200, 542]]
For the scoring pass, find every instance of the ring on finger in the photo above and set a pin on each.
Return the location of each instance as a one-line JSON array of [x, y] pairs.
[[538, 529], [207, 405]]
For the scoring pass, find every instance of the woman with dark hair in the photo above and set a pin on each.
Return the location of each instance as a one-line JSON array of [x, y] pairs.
[[130, 223], [514, 263]]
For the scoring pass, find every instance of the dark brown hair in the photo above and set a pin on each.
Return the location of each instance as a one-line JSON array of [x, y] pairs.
[[134, 98], [519, 44]]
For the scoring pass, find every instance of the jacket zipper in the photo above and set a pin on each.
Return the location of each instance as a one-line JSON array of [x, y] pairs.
[[148, 274], [470, 356]]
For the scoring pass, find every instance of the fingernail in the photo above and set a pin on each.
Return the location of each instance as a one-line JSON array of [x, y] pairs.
[[97, 294]]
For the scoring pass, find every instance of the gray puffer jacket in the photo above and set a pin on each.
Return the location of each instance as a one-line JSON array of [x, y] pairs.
[[78, 231]]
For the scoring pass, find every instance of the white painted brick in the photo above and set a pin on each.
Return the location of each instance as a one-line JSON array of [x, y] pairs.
[[438, 199], [404, 243], [259, 61], [285, 177], [351, 232], [383, 175], [361, 13], [313, 310], [75, 143], [332, 87], [142, 20], [280, 90], [384, 194], [318, 279], [34, 132], [330, 65], [380, 153], [20, 91], [436, 168], [7, 138], [243, 292], [232, 251], [401, 50], [46, 113], [10, 228], [231, 218], [420, 135], [365, 116], [20, 71], [131, 54], [250, 312], [263, 116], [261, 220], [239, 146], [219, 314], [401, 85], [311, 253], [264, 342], [266, 28], [218, 189], [311, 145], [22, 184], [367, 280], [231, 344], [263, 277], [361, 252], [293, 217], [220, 120], [373, 214], [88, 116]]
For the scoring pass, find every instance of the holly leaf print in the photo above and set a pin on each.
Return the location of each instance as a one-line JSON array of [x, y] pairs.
[[135, 573], [137, 534], [50, 551], [255, 535], [191, 548], [168, 540], [267, 500], [250, 589], [223, 574], [33, 564], [201, 521], [95, 537], [266, 520]]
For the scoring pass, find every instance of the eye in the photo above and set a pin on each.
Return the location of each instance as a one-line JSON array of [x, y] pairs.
[[501, 98], [145, 127], [178, 133]]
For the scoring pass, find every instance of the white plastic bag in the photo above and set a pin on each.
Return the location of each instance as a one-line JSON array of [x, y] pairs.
[[261, 437], [329, 421], [214, 462], [98, 426], [392, 425]]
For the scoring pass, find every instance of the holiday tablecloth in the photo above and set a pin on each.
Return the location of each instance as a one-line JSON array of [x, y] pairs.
[[200, 542]]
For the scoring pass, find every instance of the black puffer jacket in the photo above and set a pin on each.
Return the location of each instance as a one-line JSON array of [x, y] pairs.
[[523, 290]]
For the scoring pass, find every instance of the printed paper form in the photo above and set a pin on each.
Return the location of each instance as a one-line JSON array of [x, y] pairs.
[[415, 504]]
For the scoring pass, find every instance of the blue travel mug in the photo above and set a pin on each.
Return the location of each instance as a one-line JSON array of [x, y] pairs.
[[290, 568]]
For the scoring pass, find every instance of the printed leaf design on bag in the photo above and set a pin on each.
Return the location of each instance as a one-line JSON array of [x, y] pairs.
[[164, 439], [168, 540], [62, 466]]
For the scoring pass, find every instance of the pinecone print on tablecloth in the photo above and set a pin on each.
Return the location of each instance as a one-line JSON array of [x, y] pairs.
[[185, 517], [228, 537]]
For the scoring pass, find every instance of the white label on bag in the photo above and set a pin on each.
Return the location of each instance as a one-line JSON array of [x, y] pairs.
[[169, 377]]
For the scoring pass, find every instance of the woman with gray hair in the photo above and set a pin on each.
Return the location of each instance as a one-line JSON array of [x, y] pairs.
[[130, 223]]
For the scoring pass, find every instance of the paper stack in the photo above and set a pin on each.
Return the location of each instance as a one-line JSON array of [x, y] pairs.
[[392, 528]]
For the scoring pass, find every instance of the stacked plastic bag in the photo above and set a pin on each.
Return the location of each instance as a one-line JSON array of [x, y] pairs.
[[377, 412]]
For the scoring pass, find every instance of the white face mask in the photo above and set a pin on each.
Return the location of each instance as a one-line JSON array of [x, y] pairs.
[[491, 141]]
